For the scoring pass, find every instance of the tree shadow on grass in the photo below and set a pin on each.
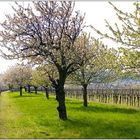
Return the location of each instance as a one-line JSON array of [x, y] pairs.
[[94, 128], [99, 128], [25, 96], [72, 102], [106, 109]]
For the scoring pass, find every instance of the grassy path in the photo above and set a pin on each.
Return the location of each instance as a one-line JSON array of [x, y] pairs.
[[17, 123], [33, 116], [8, 115]]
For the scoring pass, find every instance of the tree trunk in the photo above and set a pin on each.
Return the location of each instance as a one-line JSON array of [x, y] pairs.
[[20, 90], [25, 88], [60, 96], [47, 93], [29, 88], [10, 87], [85, 95], [60, 93], [57, 92], [35, 89]]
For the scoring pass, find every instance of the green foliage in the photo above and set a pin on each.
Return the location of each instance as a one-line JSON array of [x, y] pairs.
[[37, 78], [99, 62], [130, 61], [129, 31], [30, 117]]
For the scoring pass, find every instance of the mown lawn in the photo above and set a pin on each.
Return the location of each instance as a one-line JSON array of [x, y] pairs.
[[33, 116]]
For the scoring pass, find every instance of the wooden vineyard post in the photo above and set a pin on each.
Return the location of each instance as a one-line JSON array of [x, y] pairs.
[[99, 96], [93, 97], [138, 99], [112, 96], [134, 100], [88, 96], [116, 98], [102, 96], [105, 97], [120, 99], [132, 97], [127, 99], [106, 93], [76, 95]]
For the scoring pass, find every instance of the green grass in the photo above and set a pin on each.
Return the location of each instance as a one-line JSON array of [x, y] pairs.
[[33, 116]]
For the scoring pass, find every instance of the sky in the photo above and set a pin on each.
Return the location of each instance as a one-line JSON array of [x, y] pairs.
[[96, 12]]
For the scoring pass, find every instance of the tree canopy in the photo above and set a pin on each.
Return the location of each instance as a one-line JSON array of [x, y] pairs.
[[45, 32], [128, 33]]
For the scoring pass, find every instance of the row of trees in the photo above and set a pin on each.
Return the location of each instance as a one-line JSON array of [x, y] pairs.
[[50, 34], [97, 66], [23, 76]]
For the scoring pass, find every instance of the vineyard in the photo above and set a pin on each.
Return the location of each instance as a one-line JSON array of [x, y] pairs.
[[130, 97]]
